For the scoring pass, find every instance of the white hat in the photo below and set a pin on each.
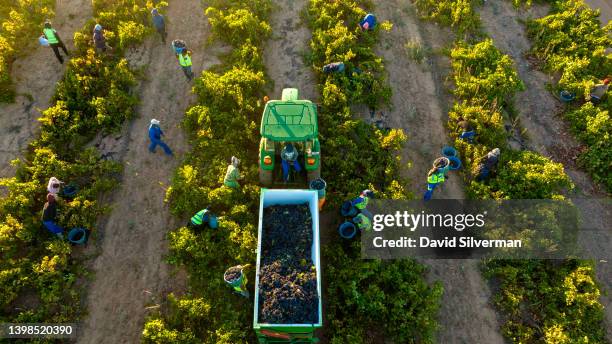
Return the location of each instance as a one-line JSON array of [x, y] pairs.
[[495, 151], [154, 121], [235, 161]]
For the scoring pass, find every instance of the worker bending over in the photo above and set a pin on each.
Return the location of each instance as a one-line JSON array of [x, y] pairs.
[[289, 157], [368, 22], [54, 40], [363, 222], [467, 131], [334, 67], [361, 202], [599, 91], [487, 165], [99, 40], [232, 175], [48, 217]]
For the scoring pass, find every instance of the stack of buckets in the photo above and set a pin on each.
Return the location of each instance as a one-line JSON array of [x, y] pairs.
[[453, 158], [319, 185]]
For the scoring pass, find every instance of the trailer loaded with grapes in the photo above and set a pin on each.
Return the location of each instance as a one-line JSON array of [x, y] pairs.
[[288, 277]]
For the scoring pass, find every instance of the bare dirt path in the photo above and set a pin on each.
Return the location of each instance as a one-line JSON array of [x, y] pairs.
[[35, 76], [420, 107], [129, 272], [548, 133], [284, 50], [606, 9]]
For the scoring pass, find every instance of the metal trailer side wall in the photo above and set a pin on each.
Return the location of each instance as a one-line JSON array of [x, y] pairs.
[[271, 197]]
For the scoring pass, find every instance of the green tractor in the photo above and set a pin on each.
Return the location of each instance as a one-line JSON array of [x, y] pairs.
[[294, 121]]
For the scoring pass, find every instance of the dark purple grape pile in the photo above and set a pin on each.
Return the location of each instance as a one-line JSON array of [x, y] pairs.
[[232, 274], [287, 277]]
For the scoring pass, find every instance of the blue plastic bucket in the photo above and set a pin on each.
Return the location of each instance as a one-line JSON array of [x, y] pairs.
[[347, 230], [455, 163], [348, 210], [318, 185], [567, 96], [449, 151], [70, 190], [212, 222], [77, 236]]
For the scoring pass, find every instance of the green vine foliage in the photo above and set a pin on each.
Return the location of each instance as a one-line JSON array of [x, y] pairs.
[[458, 14], [94, 95], [223, 123], [358, 155], [20, 22], [544, 302], [571, 41]]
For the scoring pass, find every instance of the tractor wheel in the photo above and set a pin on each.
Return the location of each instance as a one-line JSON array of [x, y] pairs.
[[265, 177]]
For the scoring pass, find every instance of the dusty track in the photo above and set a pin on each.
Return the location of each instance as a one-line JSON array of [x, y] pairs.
[[606, 9], [35, 76], [548, 133], [283, 52], [420, 105], [129, 271]]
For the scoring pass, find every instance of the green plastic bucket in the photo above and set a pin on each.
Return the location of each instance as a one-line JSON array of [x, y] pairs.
[[318, 185], [235, 283]]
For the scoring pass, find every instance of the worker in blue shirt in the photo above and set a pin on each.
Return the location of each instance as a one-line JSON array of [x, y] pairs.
[[368, 22], [155, 134], [159, 23]]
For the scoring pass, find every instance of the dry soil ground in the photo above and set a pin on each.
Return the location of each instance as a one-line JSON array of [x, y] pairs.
[[548, 133], [420, 104], [606, 9], [283, 53], [129, 272], [35, 76]]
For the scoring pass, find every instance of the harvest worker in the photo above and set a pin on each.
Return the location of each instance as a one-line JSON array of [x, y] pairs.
[[368, 22], [54, 41], [232, 175], [334, 67], [184, 59], [487, 165], [437, 175], [159, 23], [361, 202], [467, 131], [199, 219], [289, 157], [155, 134], [53, 187], [99, 40], [599, 91], [48, 217], [363, 222]]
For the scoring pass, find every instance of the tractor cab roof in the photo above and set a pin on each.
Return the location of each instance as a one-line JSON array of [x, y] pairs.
[[294, 120]]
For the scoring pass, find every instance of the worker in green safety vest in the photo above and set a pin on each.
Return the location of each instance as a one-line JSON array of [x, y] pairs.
[[361, 202], [436, 176], [184, 58], [363, 222], [54, 41], [233, 174], [199, 219]]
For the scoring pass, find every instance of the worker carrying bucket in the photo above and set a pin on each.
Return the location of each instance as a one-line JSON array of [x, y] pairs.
[[436, 176], [236, 278]]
